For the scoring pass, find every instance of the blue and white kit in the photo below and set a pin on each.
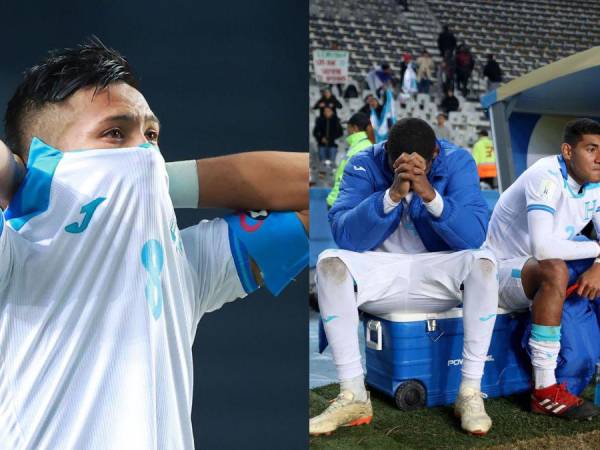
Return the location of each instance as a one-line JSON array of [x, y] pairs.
[[538, 216], [100, 297]]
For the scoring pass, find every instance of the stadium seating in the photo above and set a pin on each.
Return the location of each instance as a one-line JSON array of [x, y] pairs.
[[523, 35]]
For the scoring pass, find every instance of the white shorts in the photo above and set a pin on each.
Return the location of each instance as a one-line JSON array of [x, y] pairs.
[[397, 282], [511, 295]]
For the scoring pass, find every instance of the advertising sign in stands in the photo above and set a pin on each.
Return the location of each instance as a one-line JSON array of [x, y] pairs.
[[331, 66]]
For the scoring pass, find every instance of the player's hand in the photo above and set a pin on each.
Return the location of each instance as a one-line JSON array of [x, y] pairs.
[[589, 283], [413, 168], [12, 172], [399, 188]]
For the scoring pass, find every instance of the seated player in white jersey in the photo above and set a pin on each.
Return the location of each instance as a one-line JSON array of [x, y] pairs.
[[410, 219], [100, 294], [531, 233]]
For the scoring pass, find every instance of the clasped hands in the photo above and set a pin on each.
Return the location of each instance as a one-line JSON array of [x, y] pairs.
[[410, 173]]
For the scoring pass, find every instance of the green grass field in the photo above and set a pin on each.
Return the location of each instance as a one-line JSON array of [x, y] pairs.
[[436, 428]]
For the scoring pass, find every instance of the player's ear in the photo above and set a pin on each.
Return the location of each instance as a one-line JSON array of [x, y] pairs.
[[566, 150]]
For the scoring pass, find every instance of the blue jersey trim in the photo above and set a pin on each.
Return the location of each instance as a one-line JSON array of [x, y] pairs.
[[538, 207], [33, 196], [242, 263]]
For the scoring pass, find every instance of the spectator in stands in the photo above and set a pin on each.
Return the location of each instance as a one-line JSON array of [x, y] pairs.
[[442, 131], [406, 58], [445, 77], [327, 100], [385, 77], [492, 72], [372, 80], [464, 68], [327, 129], [424, 71], [359, 127], [450, 102], [409, 81], [446, 41], [485, 158], [371, 103]]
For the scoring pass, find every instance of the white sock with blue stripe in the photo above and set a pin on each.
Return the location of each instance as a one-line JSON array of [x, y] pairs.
[[544, 345]]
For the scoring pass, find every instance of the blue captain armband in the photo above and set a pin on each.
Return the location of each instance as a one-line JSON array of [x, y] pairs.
[[276, 241]]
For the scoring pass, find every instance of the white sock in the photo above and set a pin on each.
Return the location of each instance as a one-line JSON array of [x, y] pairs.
[[480, 305], [543, 359], [470, 383], [355, 385], [337, 303]]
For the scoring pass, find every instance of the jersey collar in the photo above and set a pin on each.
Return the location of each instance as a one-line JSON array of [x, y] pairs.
[[563, 170]]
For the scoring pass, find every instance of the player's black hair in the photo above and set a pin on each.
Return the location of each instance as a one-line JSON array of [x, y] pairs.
[[410, 135], [575, 129], [59, 75], [360, 120]]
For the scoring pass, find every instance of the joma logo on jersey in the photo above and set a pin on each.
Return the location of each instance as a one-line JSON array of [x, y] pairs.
[[88, 211], [458, 362], [590, 209]]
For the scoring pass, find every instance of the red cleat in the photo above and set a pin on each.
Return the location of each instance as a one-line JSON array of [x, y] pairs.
[[557, 401]]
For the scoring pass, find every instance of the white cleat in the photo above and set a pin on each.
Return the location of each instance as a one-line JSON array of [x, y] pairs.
[[469, 407], [344, 411]]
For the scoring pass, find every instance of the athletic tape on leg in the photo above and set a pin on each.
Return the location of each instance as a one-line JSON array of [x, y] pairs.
[[276, 241]]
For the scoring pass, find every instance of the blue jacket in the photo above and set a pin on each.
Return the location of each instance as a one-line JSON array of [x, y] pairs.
[[357, 219]]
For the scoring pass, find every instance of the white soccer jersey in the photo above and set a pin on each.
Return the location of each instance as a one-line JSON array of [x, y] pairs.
[[545, 186], [100, 296]]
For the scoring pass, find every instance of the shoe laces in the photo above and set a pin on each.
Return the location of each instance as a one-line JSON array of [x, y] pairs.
[[562, 395], [473, 402], [339, 401]]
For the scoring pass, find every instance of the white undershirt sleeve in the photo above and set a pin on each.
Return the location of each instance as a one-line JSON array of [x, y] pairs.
[[546, 245], [435, 206], [388, 204]]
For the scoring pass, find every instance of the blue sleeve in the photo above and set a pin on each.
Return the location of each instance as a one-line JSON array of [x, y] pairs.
[[358, 222], [464, 220]]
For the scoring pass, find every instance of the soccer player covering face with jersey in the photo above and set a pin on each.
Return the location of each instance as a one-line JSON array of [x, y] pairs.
[[409, 220], [100, 293], [531, 232]]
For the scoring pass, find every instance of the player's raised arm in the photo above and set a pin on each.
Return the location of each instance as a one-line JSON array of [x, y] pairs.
[[254, 180], [12, 172]]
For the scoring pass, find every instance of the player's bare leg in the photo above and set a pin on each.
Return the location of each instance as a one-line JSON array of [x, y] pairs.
[[546, 283]]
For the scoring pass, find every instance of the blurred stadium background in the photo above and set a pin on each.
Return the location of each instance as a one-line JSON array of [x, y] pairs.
[[523, 36]]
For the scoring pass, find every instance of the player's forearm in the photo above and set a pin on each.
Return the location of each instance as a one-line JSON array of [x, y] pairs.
[[12, 172], [546, 245], [255, 180]]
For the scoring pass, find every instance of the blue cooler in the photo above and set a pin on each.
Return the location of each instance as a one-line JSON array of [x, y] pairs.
[[417, 358]]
